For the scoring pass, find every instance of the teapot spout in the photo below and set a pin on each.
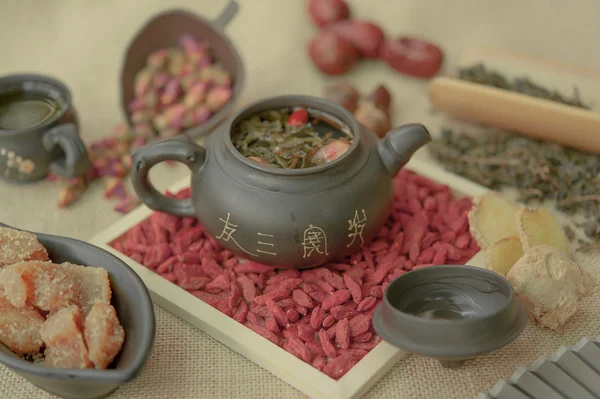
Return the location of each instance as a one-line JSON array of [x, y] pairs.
[[399, 145]]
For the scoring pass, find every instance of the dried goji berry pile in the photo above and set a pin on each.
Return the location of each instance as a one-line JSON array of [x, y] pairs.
[[322, 315]]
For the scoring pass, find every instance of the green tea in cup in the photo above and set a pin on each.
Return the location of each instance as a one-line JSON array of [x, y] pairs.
[[21, 110]]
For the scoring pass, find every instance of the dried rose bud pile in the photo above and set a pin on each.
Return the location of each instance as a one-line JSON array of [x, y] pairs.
[[111, 161], [179, 88], [343, 42], [322, 315]]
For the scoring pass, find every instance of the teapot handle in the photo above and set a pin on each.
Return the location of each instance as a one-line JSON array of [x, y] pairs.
[[180, 149]]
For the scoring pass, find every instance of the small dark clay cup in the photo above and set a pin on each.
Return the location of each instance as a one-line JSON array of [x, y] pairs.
[[27, 155], [163, 31], [134, 308], [450, 313]]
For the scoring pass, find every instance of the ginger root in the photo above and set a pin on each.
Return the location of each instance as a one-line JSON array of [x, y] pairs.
[[540, 227], [550, 285], [492, 218], [503, 254]]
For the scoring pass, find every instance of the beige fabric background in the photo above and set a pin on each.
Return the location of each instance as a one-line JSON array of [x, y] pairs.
[[82, 42]]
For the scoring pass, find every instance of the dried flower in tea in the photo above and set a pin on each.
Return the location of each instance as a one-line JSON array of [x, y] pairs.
[[481, 75], [291, 138]]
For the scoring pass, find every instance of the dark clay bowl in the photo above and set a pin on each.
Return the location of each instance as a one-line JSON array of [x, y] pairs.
[[136, 314], [450, 313], [163, 31]]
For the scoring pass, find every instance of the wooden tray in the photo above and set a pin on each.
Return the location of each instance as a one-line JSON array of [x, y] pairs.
[[246, 342]]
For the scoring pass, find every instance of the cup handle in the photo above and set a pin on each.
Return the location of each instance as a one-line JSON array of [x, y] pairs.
[[180, 149], [226, 15], [76, 161]]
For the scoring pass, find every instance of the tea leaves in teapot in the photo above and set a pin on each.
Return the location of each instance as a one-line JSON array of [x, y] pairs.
[[291, 139], [481, 75], [539, 170]]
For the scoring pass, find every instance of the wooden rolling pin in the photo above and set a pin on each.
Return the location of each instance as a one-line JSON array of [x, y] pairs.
[[542, 119]]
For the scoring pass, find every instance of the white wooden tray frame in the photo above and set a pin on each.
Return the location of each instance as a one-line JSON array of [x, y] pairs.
[[246, 342]]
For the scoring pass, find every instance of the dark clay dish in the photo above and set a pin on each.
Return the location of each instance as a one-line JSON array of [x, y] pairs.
[[132, 303], [164, 31], [450, 313]]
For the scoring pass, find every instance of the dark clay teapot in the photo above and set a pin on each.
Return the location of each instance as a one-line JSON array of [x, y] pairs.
[[290, 218]]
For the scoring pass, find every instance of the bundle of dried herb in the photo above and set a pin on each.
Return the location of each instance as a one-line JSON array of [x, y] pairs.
[[540, 171], [481, 75], [291, 138]]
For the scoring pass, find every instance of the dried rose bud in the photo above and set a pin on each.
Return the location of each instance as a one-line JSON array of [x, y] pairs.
[[138, 142], [160, 121], [75, 181], [381, 98], [176, 123], [127, 205], [142, 116], [160, 80], [331, 151], [143, 82], [176, 61], [174, 112], [344, 94], [187, 81], [101, 163], [201, 114], [121, 130], [158, 59], [114, 169], [190, 44], [208, 60], [91, 174], [372, 118], [126, 161], [216, 74], [200, 58], [114, 187], [171, 93], [217, 98], [105, 143], [71, 192], [150, 100], [187, 68], [121, 147], [137, 104], [143, 129], [196, 94]]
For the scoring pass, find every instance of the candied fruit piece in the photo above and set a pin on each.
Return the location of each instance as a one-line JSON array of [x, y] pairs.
[[49, 286], [20, 328], [62, 334], [44, 285], [103, 334], [17, 246], [91, 283]]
